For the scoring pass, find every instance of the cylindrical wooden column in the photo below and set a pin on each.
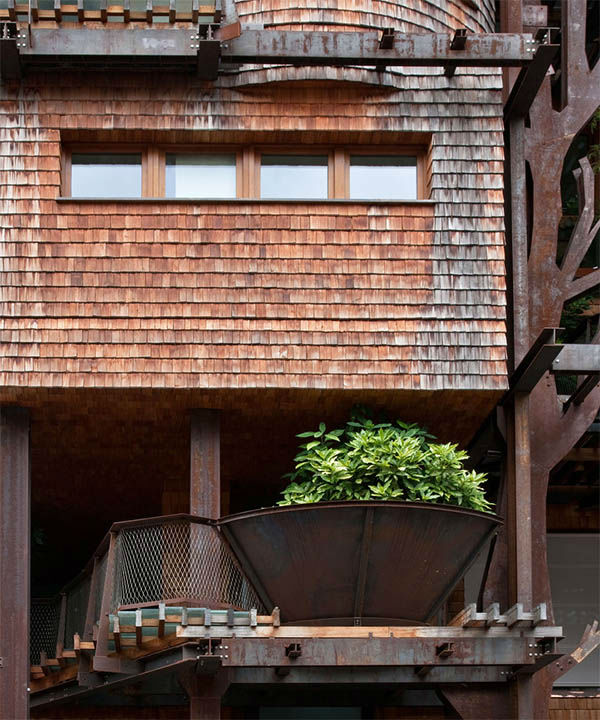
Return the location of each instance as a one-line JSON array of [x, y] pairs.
[[14, 561], [205, 464]]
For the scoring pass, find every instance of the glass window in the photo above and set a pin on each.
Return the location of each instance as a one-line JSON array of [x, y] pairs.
[[574, 566], [293, 176], [106, 175], [200, 176], [378, 177]]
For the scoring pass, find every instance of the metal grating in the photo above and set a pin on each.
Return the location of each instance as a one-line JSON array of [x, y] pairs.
[[179, 561], [77, 601], [99, 588], [43, 631]]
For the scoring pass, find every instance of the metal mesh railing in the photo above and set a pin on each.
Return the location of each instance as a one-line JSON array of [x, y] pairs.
[[44, 616], [179, 561], [99, 587], [76, 610]]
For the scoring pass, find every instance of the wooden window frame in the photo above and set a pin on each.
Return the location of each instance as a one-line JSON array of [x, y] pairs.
[[70, 150], [248, 167]]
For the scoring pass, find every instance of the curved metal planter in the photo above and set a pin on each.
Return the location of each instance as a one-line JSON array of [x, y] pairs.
[[378, 561]]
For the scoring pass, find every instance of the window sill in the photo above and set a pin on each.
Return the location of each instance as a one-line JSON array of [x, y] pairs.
[[245, 201]]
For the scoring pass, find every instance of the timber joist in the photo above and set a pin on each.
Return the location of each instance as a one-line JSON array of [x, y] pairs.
[[197, 49]]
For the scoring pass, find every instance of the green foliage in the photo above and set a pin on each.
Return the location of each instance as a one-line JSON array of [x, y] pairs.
[[381, 461], [573, 312]]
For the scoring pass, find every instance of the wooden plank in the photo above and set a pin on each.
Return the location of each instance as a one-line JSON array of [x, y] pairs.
[[149, 11], [34, 10], [308, 631], [62, 676], [57, 11], [12, 11], [466, 614], [126, 11], [103, 11], [80, 11], [172, 11]]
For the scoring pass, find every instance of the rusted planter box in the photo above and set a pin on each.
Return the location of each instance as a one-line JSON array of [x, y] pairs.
[[377, 561]]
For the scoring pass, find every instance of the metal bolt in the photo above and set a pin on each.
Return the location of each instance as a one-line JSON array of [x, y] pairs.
[[28, 689], [530, 654]]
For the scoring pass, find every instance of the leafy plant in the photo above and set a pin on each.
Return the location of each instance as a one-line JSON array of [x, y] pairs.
[[381, 461]]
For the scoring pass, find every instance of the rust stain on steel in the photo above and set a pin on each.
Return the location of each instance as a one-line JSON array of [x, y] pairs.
[[311, 558]]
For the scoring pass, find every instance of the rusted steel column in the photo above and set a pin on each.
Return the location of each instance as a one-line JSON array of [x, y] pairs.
[[205, 693], [15, 484], [518, 240], [203, 708], [519, 537], [205, 464], [511, 21], [520, 552]]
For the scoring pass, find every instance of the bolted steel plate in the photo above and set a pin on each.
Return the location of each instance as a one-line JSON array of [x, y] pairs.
[[377, 561]]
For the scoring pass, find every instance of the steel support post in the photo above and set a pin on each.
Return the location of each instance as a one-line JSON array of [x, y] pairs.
[[205, 464], [15, 484], [205, 692], [518, 240]]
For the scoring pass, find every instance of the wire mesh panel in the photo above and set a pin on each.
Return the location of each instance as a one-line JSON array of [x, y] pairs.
[[179, 561], [77, 601], [99, 585], [43, 630]]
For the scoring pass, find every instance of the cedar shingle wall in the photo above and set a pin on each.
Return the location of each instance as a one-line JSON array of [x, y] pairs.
[[250, 294], [574, 708]]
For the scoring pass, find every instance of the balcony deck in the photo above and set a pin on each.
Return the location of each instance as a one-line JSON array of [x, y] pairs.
[[164, 593]]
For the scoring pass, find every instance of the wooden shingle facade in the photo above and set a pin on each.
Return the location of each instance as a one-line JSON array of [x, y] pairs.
[[160, 353], [241, 294]]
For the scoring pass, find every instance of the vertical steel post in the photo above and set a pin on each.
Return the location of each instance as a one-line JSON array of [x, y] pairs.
[[15, 500], [519, 538], [518, 240], [205, 464], [107, 597]]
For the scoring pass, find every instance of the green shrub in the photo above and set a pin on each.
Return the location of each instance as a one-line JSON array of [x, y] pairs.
[[384, 461]]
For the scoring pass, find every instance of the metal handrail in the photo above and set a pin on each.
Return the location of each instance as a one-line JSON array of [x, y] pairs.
[[177, 559]]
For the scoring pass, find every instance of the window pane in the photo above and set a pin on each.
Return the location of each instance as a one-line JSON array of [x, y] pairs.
[[574, 567], [376, 177], [106, 175], [200, 176], [293, 176]]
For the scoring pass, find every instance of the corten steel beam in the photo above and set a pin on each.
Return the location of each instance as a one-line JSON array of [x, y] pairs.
[[105, 47], [363, 48], [529, 81], [15, 473], [536, 362], [371, 675], [205, 464], [10, 66], [384, 652], [578, 360], [582, 391]]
